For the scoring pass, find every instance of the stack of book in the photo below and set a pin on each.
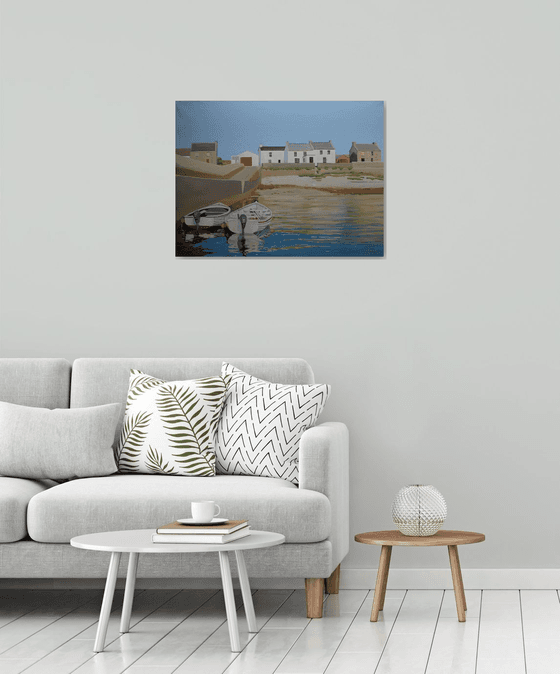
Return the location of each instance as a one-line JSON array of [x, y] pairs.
[[176, 532]]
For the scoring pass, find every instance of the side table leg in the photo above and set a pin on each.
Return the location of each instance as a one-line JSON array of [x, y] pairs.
[[129, 591], [457, 582], [385, 577], [107, 602], [381, 583], [246, 591], [231, 613]]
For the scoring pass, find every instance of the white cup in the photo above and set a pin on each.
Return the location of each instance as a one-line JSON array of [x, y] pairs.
[[204, 511]]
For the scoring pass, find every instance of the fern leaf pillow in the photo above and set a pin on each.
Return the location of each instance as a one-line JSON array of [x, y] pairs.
[[169, 427], [262, 423]]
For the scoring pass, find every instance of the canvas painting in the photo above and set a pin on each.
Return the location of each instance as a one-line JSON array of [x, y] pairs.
[[280, 179]]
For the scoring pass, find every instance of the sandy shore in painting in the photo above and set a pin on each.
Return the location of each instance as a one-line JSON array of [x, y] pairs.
[[328, 183]]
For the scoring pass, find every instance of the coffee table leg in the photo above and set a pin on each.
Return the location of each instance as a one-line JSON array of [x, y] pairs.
[[107, 602], [381, 583], [457, 582], [246, 591], [129, 591], [231, 613]]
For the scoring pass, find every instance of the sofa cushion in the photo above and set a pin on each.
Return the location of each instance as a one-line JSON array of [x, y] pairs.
[[60, 444], [262, 423], [133, 501], [97, 381], [169, 426], [36, 382], [15, 494]]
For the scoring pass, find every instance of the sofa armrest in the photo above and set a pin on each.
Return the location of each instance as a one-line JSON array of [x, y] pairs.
[[324, 467]]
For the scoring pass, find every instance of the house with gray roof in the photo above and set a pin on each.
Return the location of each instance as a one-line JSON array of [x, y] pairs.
[[365, 152], [314, 152], [206, 152], [271, 154], [324, 152]]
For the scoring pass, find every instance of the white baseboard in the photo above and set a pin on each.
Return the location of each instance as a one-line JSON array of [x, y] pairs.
[[473, 579], [350, 579]]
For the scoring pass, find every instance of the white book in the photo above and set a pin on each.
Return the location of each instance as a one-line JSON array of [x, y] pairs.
[[200, 538]]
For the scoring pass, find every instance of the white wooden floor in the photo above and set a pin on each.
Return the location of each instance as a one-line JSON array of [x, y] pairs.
[[510, 631]]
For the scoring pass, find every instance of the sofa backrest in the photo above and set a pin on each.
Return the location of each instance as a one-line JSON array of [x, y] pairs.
[[98, 381], [35, 382]]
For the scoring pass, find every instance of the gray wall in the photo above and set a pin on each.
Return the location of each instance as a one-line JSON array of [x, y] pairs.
[[444, 357]]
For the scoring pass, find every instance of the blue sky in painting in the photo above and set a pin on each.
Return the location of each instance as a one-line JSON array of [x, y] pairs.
[[244, 125]]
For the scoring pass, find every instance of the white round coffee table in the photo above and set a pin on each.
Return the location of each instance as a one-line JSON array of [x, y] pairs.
[[140, 541]]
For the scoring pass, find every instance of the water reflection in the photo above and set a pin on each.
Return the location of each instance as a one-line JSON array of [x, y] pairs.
[[247, 243], [305, 223]]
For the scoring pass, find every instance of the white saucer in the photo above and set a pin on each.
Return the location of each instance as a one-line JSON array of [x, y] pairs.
[[216, 520]]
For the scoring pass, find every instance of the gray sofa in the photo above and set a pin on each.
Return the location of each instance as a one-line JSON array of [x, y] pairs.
[[39, 517]]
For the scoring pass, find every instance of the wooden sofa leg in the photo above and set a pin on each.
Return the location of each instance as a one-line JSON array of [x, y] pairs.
[[314, 590], [332, 583]]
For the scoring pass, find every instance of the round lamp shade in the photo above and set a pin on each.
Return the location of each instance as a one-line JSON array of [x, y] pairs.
[[419, 510]]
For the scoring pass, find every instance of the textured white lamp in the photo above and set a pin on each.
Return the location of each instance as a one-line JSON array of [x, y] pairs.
[[419, 510]]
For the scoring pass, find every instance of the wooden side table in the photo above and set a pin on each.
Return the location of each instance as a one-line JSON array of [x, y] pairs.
[[388, 539]]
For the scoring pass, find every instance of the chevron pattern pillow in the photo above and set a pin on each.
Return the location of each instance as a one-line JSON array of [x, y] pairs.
[[262, 423], [169, 427]]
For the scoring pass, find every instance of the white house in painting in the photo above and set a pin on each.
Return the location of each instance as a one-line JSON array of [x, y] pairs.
[[313, 152], [324, 152], [247, 158], [300, 153], [271, 154]]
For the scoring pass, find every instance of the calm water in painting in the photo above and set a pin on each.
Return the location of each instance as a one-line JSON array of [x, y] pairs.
[[306, 223]]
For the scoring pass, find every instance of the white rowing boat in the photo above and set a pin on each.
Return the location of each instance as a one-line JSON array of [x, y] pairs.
[[249, 219], [209, 216]]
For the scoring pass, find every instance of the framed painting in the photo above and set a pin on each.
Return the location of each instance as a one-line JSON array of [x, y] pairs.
[[279, 179]]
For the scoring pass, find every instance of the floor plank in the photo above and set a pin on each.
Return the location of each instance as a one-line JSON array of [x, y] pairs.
[[145, 603], [57, 633], [410, 640], [541, 630], [58, 606], [185, 632], [265, 652], [367, 637], [214, 655], [358, 663], [500, 644], [181, 606], [292, 614], [126, 650], [454, 647], [349, 601], [79, 649], [318, 643], [149, 670], [14, 666], [189, 635], [16, 603]]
